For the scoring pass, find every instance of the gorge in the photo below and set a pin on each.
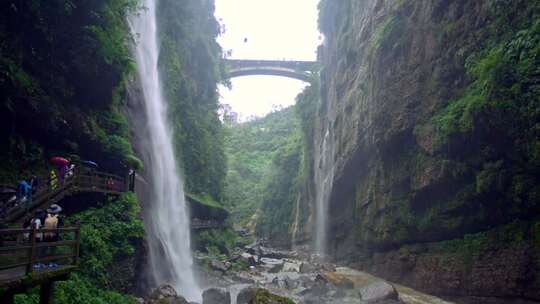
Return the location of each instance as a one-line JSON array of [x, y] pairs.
[[410, 160]]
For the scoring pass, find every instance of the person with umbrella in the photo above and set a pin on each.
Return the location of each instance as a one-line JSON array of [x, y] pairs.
[[62, 166]]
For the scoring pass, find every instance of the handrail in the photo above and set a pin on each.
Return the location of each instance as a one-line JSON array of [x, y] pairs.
[[35, 249], [75, 180]]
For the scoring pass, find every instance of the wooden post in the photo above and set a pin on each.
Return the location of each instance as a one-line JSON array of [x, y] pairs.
[[32, 257], [46, 293], [77, 244]]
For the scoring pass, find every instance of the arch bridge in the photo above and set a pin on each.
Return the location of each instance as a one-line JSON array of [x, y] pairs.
[[301, 70]]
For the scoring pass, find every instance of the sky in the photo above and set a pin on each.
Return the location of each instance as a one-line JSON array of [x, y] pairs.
[[266, 29]]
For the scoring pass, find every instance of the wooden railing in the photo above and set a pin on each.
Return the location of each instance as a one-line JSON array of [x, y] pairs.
[[21, 250], [76, 180]]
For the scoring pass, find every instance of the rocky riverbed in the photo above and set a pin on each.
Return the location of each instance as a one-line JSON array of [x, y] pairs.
[[299, 277]]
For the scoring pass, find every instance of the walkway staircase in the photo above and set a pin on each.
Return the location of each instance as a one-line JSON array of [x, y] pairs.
[[76, 181]]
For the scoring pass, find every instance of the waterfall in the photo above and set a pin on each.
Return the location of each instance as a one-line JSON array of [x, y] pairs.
[[296, 222], [324, 177], [166, 215]]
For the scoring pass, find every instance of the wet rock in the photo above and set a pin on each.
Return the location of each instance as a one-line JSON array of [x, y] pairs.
[[318, 287], [272, 265], [329, 267], [216, 296], [165, 294], [272, 253], [220, 266], [306, 267], [242, 278], [246, 295], [337, 280], [291, 267], [279, 283], [251, 260], [290, 283], [377, 292]]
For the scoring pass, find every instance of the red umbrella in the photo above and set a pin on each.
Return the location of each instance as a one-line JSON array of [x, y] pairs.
[[60, 161]]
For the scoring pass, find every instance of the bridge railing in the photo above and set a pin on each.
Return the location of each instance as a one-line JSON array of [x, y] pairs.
[[21, 250]]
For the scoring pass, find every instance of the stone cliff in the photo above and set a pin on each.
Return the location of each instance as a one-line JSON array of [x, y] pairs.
[[428, 132]]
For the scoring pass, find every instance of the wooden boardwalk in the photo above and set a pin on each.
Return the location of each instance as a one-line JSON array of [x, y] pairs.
[[76, 181], [21, 252]]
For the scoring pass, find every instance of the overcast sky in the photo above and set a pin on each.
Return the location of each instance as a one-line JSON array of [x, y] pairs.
[[266, 29]]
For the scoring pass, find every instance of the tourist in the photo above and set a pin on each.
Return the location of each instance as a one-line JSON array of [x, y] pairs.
[[24, 194], [53, 181], [34, 183], [53, 221]]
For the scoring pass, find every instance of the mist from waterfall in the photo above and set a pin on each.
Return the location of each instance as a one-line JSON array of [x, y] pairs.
[[166, 214]]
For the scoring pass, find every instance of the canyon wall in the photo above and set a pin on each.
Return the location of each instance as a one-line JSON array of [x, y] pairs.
[[428, 128]]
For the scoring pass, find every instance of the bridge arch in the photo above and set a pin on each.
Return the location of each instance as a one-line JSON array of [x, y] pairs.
[[301, 70]]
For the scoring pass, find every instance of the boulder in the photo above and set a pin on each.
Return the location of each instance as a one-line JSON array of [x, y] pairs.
[[246, 295], [216, 296], [250, 259], [377, 292], [329, 267], [220, 266], [272, 253], [272, 265], [279, 283], [165, 294], [339, 281], [306, 267], [290, 283]]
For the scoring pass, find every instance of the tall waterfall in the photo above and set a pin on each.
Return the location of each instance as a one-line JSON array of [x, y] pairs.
[[324, 178], [166, 215]]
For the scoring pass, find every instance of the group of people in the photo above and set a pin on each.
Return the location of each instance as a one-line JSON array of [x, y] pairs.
[[46, 220]]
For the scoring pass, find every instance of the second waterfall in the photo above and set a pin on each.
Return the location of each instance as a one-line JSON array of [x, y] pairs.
[[166, 214]]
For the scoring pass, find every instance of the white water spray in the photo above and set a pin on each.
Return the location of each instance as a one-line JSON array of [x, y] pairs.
[[167, 220]]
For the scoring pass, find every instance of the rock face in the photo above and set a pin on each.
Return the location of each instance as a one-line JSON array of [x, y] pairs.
[[216, 296], [165, 294], [412, 132]]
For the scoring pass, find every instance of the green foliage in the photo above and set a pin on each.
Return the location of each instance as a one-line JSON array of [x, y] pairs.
[[108, 235], [215, 241], [250, 148], [281, 190], [63, 68], [189, 64], [108, 238], [263, 296]]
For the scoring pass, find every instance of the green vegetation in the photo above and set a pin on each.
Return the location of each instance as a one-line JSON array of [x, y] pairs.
[[190, 66], [250, 148], [109, 237], [64, 64], [263, 296]]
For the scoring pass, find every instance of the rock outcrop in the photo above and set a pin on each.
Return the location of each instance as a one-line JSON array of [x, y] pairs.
[[216, 296], [165, 294]]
